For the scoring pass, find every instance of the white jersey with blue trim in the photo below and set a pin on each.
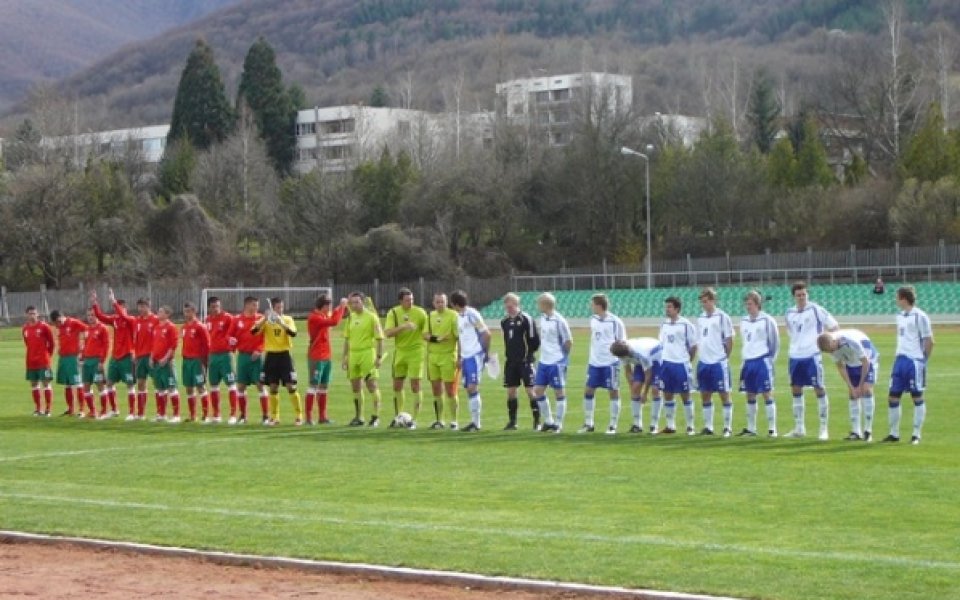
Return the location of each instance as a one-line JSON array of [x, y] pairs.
[[913, 326], [804, 326], [644, 351], [678, 339], [761, 337], [854, 347], [470, 325], [604, 331], [714, 329], [554, 334]]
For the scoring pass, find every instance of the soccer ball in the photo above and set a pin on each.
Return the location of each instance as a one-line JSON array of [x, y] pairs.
[[404, 420]]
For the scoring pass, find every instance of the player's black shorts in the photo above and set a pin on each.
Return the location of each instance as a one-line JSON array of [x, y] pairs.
[[278, 369], [517, 372]]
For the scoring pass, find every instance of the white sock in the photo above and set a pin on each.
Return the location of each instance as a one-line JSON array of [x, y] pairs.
[[771, 407], [614, 412], [671, 407], [823, 406], [798, 416], [655, 412], [688, 412], [868, 409], [752, 416], [637, 409], [895, 411], [561, 409], [588, 411], [855, 416], [544, 405], [728, 416], [919, 414], [708, 416], [475, 405]]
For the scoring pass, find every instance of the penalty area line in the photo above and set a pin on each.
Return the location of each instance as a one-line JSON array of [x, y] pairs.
[[430, 576]]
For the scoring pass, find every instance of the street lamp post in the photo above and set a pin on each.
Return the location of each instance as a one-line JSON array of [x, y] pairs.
[[646, 162]]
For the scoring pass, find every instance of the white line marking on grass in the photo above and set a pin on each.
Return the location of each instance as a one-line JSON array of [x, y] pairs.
[[636, 540], [449, 578]]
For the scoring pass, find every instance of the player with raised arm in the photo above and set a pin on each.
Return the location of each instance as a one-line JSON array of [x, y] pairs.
[[196, 358], [713, 370], [278, 332], [164, 346], [142, 348], [914, 347], [642, 359], [249, 346], [406, 323], [556, 342], [39, 343], [96, 347], [603, 368], [121, 367], [362, 354], [679, 339], [322, 318], [220, 366], [761, 344], [805, 321], [70, 333], [474, 338], [442, 344], [521, 342], [858, 361]]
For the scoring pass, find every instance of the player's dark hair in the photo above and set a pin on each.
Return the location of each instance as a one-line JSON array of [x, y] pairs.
[[620, 349], [674, 302], [908, 294], [798, 285], [121, 302], [212, 300], [250, 299], [143, 301], [323, 300], [190, 305], [403, 293], [29, 308], [275, 301], [458, 299], [54, 315], [356, 295], [600, 300]]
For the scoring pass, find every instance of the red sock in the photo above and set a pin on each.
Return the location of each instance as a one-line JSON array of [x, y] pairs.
[[112, 397], [242, 404], [68, 392], [232, 393], [215, 402], [88, 400], [131, 403], [104, 398], [48, 397], [36, 398], [265, 405], [161, 403], [192, 403], [175, 402], [310, 397], [322, 406], [141, 403]]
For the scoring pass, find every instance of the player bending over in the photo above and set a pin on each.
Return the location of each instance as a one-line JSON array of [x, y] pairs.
[[761, 343], [713, 370], [38, 340], [521, 342], [474, 349], [69, 341], [679, 339], [278, 332], [121, 366], [322, 318], [406, 323], [642, 358], [555, 344], [165, 338], [362, 353], [914, 347], [603, 368], [857, 360]]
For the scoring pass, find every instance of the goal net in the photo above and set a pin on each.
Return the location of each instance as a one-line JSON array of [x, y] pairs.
[[297, 301]]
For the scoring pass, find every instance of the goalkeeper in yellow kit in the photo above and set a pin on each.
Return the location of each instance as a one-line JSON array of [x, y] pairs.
[[278, 333], [362, 354]]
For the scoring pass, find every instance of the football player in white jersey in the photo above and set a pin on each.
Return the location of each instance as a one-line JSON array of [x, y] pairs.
[[603, 368], [713, 370], [555, 344], [761, 343], [641, 359], [914, 347], [857, 360], [805, 321], [474, 348], [679, 339]]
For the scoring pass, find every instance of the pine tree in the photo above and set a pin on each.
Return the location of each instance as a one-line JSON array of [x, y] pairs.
[[379, 98], [812, 165], [930, 155], [764, 112], [274, 107], [782, 165], [201, 112]]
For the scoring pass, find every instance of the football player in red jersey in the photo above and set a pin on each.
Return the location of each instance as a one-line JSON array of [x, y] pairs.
[[122, 360], [69, 341], [38, 339]]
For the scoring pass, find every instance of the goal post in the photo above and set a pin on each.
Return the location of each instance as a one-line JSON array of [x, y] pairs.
[[297, 301]]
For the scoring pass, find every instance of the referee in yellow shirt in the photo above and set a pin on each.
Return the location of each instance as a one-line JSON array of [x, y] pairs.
[[362, 354], [278, 333]]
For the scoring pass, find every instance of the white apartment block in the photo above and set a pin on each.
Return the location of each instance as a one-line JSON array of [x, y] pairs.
[[146, 143]]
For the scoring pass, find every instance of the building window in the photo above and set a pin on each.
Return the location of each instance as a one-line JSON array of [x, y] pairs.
[[561, 116], [518, 109], [559, 138], [561, 95], [403, 128], [339, 126], [337, 152], [306, 128], [541, 97], [543, 118]]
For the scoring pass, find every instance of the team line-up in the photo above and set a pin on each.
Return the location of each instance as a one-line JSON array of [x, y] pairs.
[[452, 342]]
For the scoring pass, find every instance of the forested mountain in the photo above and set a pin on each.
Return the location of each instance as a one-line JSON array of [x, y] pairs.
[[46, 40], [339, 50]]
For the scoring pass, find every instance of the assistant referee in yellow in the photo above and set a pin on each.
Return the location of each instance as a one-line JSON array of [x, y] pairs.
[[362, 355]]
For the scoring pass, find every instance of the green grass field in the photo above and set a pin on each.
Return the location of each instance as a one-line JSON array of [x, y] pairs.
[[753, 518]]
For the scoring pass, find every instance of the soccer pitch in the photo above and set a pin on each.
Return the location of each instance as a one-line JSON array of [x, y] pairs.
[[752, 518]]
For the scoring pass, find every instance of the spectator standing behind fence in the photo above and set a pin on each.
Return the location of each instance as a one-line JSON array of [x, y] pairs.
[[878, 286]]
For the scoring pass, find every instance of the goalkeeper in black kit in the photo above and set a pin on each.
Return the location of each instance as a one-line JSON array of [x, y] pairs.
[[521, 341]]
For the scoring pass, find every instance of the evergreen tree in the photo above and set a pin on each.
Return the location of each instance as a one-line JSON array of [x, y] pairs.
[[812, 166], [782, 165], [274, 107], [930, 155], [379, 98], [25, 147], [175, 173], [201, 112], [764, 112]]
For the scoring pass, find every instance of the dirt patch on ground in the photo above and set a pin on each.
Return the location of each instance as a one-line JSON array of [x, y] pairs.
[[63, 571]]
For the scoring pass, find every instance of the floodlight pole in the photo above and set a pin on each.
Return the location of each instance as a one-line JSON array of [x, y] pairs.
[[646, 163]]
